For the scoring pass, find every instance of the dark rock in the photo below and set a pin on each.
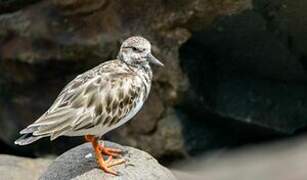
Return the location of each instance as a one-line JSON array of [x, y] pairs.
[[247, 73], [284, 18], [13, 5], [46, 44], [76, 164]]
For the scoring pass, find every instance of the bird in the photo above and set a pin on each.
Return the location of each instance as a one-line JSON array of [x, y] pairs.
[[99, 100]]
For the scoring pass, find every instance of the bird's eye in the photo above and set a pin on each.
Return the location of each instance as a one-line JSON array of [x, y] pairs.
[[134, 49]]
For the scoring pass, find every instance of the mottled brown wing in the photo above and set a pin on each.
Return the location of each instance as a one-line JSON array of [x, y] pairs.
[[118, 99], [83, 104]]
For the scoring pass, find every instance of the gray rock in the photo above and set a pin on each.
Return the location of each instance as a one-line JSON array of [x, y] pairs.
[[19, 168], [78, 164]]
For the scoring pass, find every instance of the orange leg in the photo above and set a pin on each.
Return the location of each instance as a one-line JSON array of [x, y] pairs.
[[104, 165]]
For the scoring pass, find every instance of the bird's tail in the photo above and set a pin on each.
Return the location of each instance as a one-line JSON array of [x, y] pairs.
[[27, 136], [27, 139]]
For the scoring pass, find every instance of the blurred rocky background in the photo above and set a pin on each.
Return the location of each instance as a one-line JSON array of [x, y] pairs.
[[285, 160], [235, 70]]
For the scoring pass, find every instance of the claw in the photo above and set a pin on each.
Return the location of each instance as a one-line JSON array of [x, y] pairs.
[[116, 162]]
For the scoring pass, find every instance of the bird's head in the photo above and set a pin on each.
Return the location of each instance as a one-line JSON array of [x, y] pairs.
[[136, 50]]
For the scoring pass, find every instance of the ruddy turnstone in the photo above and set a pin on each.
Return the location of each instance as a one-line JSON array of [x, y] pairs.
[[99, 100]]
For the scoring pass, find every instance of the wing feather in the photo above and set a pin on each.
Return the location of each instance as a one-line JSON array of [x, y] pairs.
[[99, 97]]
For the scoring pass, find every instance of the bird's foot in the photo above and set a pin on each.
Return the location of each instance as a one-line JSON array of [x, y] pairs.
[[106, 165], [100, 150], [110, 151]]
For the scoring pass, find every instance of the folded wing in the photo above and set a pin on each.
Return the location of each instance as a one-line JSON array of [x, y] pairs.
[[91, 100]]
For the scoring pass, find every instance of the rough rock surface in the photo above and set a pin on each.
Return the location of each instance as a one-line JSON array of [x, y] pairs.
[[78, 164], [19, 168]]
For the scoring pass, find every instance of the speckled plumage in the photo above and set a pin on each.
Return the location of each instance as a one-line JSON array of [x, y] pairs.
[[100, 99]]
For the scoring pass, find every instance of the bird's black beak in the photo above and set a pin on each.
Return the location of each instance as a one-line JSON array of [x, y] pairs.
[[154, 60]]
